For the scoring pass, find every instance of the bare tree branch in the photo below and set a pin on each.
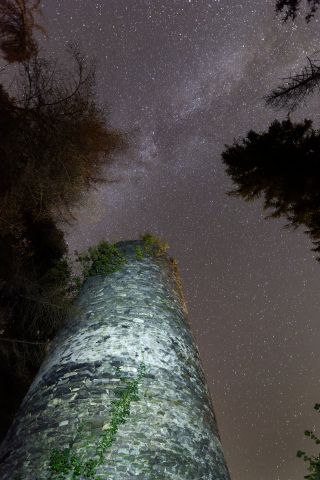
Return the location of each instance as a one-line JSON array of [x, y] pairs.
[[16, 340]]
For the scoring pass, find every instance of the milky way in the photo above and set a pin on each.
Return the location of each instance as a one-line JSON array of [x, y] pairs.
[[185, 78]]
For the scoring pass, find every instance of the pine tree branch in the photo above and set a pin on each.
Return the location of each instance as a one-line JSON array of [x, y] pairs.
[[297, 87]]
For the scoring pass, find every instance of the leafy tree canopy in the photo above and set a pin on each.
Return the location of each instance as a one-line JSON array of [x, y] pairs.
[[281, 165]]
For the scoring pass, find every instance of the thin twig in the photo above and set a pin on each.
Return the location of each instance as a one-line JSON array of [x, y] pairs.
[[15, 340]]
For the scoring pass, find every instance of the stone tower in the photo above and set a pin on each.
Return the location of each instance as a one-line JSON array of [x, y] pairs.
[[123, 380]]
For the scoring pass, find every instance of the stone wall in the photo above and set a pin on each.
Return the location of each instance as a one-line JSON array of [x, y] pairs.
[[134, 315]]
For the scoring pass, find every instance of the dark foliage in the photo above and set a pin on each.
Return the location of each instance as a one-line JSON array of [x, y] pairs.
[[296, 88], [291, 8], [283, 166], [55, 144], [17, 26], [59, 138], [314, 462]]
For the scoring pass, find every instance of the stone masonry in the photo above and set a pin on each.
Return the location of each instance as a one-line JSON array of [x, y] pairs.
[[136, 314]]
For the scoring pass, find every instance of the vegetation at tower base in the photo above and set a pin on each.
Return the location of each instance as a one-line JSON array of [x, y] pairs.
[[314, 462]]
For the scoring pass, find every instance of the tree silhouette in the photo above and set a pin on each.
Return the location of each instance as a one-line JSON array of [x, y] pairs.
[[281, 165], [17, 26], [295, 88], [314, 462], [59, 137], [55, 144], [291, 8]]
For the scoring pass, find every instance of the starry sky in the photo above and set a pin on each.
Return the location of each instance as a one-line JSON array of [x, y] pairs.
[[186, 77]]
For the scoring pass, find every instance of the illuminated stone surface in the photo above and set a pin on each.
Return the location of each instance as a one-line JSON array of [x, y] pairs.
[[134, 315]]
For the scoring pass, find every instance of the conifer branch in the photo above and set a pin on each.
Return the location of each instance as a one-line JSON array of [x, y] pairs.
[[296, 88]]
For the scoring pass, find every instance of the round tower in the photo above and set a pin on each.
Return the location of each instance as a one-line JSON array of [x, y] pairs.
[[121, 394]]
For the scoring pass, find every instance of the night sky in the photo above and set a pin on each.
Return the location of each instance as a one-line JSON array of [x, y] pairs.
[[186, 77]]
